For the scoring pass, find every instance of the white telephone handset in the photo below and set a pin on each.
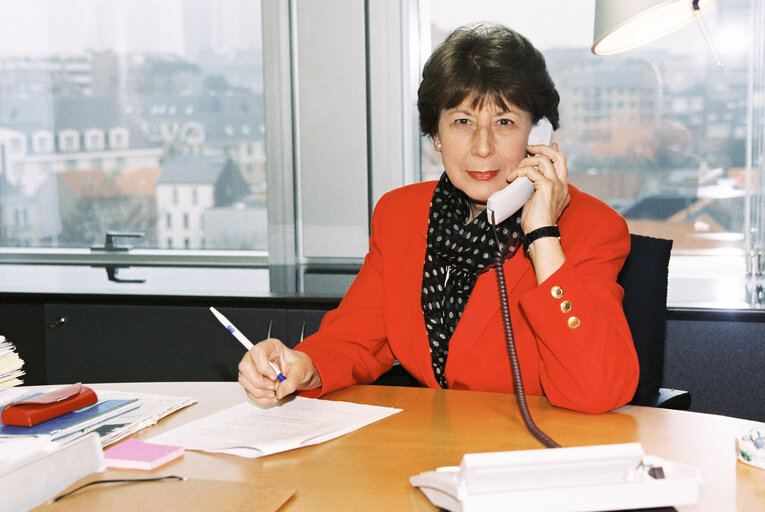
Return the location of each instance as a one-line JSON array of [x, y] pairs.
[[503, 203]]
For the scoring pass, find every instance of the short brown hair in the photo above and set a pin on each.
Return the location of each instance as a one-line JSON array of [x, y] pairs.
[[486, 62]]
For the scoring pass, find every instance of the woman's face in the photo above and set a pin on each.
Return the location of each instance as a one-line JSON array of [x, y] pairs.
[[481, 146]]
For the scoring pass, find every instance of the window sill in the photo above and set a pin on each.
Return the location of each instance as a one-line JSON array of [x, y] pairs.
[[690, 292], [708, 282]]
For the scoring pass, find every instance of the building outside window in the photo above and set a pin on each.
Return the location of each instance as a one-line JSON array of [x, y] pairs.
[[126, 86]]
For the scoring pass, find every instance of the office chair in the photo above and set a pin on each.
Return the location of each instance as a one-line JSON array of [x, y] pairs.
[[644, 280], [397, 376]]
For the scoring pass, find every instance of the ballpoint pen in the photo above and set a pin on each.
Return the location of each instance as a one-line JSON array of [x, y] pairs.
[[243, 339]]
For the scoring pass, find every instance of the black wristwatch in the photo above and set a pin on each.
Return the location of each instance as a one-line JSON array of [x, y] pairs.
[[540, 233]]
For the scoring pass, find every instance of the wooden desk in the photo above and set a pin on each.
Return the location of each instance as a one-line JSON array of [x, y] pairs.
[[369, 469]]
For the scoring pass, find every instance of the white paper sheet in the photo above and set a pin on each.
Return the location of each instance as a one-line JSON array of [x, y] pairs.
[[153, 408], [248, 430]]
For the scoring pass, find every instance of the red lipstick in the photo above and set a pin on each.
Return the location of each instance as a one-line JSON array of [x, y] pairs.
[[482, 176]]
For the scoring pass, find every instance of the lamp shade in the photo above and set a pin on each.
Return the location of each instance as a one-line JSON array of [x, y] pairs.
[[624, 24]]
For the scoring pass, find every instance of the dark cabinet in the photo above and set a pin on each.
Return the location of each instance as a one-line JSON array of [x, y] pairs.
[[123, 343], [142, 341], [22, 323], [302, 323]]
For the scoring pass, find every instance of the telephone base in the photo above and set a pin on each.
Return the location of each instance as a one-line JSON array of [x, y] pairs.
[[595, 478]]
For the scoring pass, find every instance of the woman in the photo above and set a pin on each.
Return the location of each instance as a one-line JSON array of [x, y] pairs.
[[427, 295]]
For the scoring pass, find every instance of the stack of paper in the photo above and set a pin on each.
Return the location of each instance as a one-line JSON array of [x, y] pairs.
[[116, 416], [153, 408], [10, 365], [76, 423]]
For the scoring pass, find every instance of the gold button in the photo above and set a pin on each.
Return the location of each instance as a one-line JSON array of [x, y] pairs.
[[573, 322], [565, 306], [557, 292]]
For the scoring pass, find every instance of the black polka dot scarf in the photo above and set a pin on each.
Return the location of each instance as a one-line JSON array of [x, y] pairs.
[[456, 254]]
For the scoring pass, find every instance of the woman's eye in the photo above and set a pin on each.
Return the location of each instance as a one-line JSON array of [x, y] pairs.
[[505, 122], [462, 122]]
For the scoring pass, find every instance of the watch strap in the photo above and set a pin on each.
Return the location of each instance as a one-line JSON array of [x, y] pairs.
[[543, 232]]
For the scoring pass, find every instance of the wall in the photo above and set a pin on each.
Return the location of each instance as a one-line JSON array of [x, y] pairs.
[[332, 170]]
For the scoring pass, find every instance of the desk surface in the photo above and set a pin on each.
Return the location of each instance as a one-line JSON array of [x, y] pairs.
[[369, 469]]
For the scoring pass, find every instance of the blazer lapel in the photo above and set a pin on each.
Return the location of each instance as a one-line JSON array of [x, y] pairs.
[[481, 308]]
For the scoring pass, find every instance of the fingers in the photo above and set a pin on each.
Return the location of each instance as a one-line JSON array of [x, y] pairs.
[[552, 163], [259, 378], [548, 169], [258, 387], [259, 369]]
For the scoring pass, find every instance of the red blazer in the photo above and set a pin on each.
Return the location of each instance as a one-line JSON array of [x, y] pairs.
[[582, 358]]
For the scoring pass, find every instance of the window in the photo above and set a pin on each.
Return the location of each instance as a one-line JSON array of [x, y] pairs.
[[68, 141], [94, 140], [17, 145], [136, 88], [169, 106], [658, 132], [20, 218], [119, 138], [42, 142]]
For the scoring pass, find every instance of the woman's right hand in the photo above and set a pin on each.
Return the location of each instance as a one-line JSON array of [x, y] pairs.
[[259, 379]]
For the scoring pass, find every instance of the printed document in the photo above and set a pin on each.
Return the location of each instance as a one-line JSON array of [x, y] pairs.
[[153, 408], [248, 430]]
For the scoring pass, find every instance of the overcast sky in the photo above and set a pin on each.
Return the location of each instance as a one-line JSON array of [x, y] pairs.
[[43, 27]]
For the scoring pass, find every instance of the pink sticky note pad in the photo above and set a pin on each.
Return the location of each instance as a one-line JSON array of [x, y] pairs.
[[135, 454]]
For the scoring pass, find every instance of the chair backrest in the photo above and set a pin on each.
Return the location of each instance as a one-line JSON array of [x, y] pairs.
[[644, 280]]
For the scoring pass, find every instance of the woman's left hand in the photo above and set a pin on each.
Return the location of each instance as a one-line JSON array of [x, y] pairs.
[[548, 170]]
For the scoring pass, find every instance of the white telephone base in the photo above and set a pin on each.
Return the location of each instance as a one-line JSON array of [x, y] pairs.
[[590, 478]]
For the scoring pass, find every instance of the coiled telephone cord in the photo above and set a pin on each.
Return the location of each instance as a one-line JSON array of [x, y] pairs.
[[520, 394]]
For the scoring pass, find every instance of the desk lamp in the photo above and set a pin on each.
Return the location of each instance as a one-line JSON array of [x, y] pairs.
[[621, 25]]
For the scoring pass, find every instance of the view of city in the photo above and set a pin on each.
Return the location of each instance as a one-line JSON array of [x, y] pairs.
[[658, 132], [168, 141], [164, 143]]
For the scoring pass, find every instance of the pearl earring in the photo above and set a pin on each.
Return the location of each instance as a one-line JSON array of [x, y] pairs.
[[438, 146]]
